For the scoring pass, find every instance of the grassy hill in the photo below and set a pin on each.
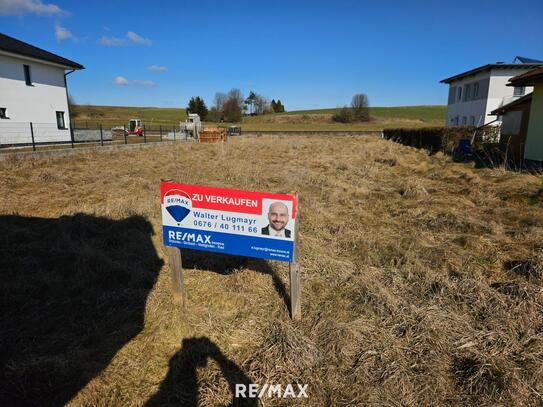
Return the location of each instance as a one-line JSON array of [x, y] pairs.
[[421, 280], [119, 115], [320, 119], [425, 113]]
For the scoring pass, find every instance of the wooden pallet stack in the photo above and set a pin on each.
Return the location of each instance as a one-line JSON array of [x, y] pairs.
[[212, 135]]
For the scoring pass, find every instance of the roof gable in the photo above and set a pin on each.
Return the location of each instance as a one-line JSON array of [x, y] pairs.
[[524, 60], [14, 46], [528, 78], [490, 67]]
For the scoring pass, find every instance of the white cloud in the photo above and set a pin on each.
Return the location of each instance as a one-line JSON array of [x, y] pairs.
[[17, 7], [136, 39], [131, 38], [157, 68], [122, 81], [112, 41], [62, 33]]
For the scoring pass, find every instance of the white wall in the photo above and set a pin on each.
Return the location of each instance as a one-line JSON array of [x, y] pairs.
[[498, 95], [475, 108], [37, 103]]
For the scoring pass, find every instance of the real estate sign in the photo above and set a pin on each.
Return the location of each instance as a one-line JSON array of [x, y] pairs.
[[230, 221]]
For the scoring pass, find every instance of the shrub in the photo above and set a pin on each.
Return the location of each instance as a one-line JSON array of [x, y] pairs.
[[431, 138], [344, 115]]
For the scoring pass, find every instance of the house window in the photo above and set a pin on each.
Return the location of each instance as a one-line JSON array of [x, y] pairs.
[[472, 120], [3, 113], [519, 91], [60, 121], [475, 90], [460, 93], [464, 120], [28, 79], [468, 92]]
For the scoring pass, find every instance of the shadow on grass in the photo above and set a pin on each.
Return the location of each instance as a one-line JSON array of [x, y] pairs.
[[73, 293], [180, 387], [226, 264]]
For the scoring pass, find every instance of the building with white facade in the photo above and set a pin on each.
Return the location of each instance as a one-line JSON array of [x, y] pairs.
[[33, 90], [474, 94]]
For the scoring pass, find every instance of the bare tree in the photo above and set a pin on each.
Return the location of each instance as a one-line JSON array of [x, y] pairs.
[[360, 107], [235, 94], [261, 104], [219, 101], [233, 106]]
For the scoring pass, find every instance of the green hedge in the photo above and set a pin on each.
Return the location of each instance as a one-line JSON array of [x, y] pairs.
[[431, 138]]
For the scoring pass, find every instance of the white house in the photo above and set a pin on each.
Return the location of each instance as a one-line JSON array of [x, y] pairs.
[[474, 94], [33, 90]]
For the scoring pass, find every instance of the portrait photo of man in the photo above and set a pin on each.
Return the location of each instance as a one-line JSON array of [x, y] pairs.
[[277, 221]]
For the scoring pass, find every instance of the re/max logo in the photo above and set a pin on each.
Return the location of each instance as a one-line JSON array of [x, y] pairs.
[[170, 200], [189, 237]]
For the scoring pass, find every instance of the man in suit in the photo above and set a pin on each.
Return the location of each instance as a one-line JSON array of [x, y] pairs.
[[278, 219]]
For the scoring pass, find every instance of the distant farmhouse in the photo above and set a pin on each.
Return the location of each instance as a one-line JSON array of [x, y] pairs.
[[475, 94], [33, 90]]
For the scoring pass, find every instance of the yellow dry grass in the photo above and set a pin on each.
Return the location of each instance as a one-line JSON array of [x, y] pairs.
[[421, 279]]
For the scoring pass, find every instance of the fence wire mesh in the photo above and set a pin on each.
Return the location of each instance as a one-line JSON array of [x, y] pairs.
[[33, 136]]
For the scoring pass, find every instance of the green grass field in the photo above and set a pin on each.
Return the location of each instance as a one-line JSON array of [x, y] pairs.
[[307, 120], [424, 113]]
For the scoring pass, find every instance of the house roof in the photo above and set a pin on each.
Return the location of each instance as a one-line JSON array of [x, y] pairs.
[[528, 78], [14, 46], [492, 66], [520, 101], [524, 60]]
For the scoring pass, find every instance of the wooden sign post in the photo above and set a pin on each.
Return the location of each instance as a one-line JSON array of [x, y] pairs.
[[229, 221], [294, 272], [176, 273]]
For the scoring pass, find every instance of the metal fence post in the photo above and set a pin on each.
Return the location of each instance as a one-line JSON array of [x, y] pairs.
[[124, 132], [174, 133], [144, 135], [101, 136], [32, 134], [160, 129], [72, 134]]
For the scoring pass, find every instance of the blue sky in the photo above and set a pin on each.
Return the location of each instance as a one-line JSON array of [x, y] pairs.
[[309, 54]]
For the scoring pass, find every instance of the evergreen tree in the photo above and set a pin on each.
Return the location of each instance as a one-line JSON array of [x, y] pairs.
[[198, 106], [273, 106], [250, 101]]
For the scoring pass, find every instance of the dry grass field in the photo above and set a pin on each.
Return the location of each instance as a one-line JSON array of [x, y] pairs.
[[421, 280]]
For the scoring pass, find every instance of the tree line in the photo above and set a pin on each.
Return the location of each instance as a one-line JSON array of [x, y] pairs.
[[231, 106]]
